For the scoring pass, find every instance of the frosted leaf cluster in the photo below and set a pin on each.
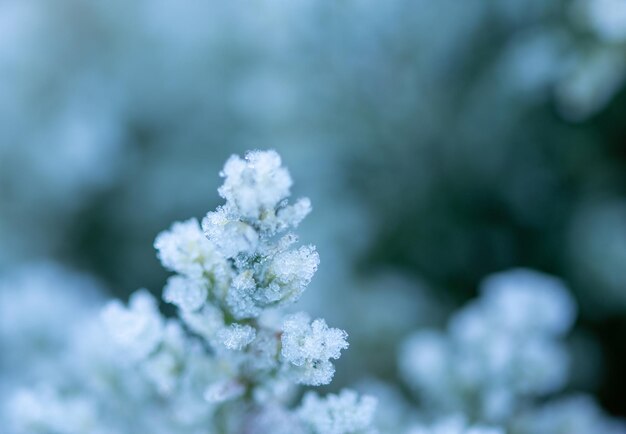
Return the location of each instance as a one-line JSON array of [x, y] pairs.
[[244, 266], [250, 231], [237, 336], [201, 270], [256, 184], [309, 346], [185, 250], [345, 413], [500, 350], [232, 277], [231, 360], [237, 270], [187, 294]]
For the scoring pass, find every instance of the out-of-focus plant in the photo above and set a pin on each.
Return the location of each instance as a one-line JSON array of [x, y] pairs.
[[502, 357]]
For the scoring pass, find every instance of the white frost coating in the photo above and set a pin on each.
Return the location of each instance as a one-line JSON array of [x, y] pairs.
[[344, 413], [187, 293], [254, 184], [236, 336], [310, 346], [292, 215], [138, 329], [244, 297], [184, 249], [292, 271], [231, 237], [264, 269]]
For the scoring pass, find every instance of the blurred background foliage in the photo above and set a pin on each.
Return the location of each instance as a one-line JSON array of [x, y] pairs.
[[438, 141]]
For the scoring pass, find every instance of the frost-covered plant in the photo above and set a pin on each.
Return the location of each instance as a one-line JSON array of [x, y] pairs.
[[230, 361], [503, 353], [501, 349], [231, 279]]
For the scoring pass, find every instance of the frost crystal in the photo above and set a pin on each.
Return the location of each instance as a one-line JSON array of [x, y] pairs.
[[255, 184], [231, 237], [310, 346], [344, 413], [237, 336], [243, 297], [185, 250], [290, 272]]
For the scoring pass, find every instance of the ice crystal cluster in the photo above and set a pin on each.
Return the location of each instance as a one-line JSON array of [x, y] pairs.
[[230, 361]]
